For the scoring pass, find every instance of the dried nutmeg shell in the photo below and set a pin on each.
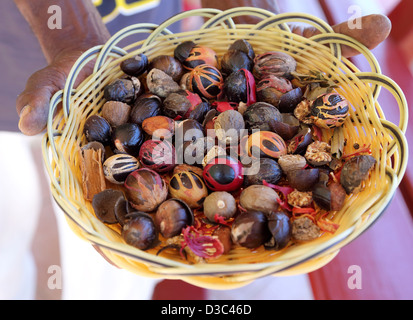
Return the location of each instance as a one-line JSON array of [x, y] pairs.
[[221, 203], [259, 115], [116, 112], [140, 231], [240, 86], [172, 216], [223, 233], [98, 129], [290, 162], [159, 127], [299, 143], [123, 90], [179, 105], [275, 63], [338, 196], [161, 84], [244, 46], [266, 170], [170, 65], [303, 180], [271, 89], [284, 130], [322, 194], [199, 112], [127, 138], [250, 229], [145, 189], [280, 227], [259, 198], [290, 100], [116, 168], [146, 106], [103, 205], [234, 60], [183, 50], [355, 171], [135, 66]]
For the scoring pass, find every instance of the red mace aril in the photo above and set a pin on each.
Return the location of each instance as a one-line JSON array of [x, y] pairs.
[[201, 245], [222, 106], [180, 105]]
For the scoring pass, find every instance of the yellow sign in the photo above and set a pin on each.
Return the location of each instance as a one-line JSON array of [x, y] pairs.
[[110, 9]]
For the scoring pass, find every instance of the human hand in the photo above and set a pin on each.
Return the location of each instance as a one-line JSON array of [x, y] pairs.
[[82, 28], [375, 28], [33, 103]]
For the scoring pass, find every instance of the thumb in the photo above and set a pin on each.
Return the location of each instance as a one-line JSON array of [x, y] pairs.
[[373, 30], [32, 104]]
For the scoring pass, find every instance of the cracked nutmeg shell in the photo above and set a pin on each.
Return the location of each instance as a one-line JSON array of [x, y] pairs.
[[250, 229], [125, 90]]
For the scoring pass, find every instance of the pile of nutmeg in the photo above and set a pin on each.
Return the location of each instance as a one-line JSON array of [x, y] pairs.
[[202, 153]]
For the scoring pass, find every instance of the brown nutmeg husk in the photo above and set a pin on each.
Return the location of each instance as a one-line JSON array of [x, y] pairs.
[[161, 84], [116, 112]]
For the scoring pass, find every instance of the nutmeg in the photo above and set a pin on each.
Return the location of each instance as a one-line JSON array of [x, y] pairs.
[[290, 162], [259, 198], [161, 84], [116, 112], [170, 65], [271, 89], [275, 63], [135, 66], [160, 127], [228, 126]]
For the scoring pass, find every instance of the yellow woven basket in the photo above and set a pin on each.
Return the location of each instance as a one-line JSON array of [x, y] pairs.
[[366, 125]]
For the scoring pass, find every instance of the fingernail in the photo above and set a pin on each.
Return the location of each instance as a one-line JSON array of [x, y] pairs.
[[23, 113]]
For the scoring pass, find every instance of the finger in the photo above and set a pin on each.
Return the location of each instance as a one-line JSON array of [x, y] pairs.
[[33, 103], [373, 30]]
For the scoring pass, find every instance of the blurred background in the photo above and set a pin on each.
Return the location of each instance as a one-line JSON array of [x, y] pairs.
[[383, 252]]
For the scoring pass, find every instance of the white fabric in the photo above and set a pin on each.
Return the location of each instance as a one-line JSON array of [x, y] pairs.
[[19, 212]]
